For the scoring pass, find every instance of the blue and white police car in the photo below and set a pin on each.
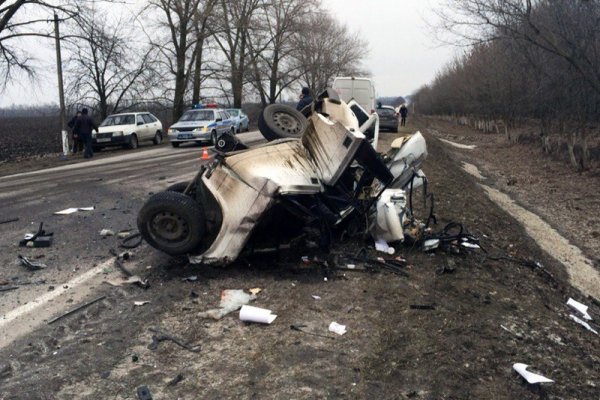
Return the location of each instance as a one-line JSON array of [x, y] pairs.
[[201, 124]]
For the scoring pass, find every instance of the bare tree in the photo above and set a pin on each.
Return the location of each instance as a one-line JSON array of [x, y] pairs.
[[105, 68], [325, 48], [21, 19]]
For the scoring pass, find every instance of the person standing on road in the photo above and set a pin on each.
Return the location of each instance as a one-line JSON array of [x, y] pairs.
[[305, 99], [77, 142], [403, 115], [84, 126]]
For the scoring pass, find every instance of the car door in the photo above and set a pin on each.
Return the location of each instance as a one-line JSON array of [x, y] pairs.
[[152, 128], [141, 129]]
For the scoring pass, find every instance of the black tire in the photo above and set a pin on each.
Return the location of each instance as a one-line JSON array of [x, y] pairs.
[[157, 138], [133, 141], [178, 187], [278, 121], [213, 138], [226, 142], [175, 144], [172, 222]]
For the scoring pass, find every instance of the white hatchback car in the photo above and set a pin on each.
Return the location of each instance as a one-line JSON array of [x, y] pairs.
[[127, 130]]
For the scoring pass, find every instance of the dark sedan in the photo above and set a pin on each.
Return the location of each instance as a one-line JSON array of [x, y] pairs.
[[388, 118]]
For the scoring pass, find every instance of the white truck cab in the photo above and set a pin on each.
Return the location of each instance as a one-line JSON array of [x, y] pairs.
[[361, 90]]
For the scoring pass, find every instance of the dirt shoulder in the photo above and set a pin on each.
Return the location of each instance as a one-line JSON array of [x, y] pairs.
[[487, 315]]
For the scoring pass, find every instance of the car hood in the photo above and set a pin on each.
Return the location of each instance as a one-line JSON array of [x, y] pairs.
[[114, 128], [191, 124]]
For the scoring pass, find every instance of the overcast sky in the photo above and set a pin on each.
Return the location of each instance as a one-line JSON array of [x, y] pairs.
[[403, 55]]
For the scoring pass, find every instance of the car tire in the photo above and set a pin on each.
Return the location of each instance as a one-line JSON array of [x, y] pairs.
[[175, 144], [226, 143], [178, 187], [233, 131], [278, 121], [213, 138], [238, 129], [172, 222], [157, 138], [133, 141]]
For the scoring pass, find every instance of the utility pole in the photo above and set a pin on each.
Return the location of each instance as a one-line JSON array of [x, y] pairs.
[[61, 92]]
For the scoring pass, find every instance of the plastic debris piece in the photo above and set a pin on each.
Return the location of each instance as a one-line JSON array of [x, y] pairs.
[[231, 300], [257, 314], [337, 328], [31, 265], [431, 244], [140, 303], [316, 297], [143, 393], [192, 278], [381, 245], [583, 323], [123, 234], [107, 232], [470, 245], [121, 282], [72, 210], [530, 376], [255, 291], [582, 308]]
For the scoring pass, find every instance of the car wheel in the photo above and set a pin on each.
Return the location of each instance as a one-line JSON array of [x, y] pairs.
[[157, 138], [133, 141], [278, 121], [233, 131], [226, 142], [175, 144], [172, 222], [238, 129], [213, 137], [178, 187]]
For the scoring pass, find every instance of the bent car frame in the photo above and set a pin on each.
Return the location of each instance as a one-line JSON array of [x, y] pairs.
[[321, 177]]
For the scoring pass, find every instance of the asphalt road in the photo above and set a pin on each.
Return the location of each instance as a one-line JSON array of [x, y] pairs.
[[78, 260]]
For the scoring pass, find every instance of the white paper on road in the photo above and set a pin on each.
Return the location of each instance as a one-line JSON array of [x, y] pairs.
[[140, 303], [231, 300], [530, 376], [583, 323], [582, 308], [72, 210], [256, 314], [337, 328]]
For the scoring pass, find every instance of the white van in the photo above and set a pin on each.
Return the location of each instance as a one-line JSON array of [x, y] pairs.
[[362, 90]]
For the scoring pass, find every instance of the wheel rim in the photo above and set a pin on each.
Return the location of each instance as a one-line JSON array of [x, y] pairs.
[[287, 122], [221, 143], [169, 227]]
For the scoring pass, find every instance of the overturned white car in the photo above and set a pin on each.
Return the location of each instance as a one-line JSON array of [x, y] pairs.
[[321, 178]]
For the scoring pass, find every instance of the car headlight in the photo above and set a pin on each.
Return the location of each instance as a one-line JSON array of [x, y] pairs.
[[199, 129], [118, 133], [173, 130]]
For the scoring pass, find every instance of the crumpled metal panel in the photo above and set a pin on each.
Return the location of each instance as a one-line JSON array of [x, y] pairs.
[[331, 147], [242, 206], [286, 164]]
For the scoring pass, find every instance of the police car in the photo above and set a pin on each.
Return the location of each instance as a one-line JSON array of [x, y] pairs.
[[201, 124]]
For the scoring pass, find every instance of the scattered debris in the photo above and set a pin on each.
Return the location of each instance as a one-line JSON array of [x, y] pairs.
[[530, 377], [255, 291], [125, 242], [582, 308], [583, 323], [316, 297], [126, 281], [72, 210], [337, 328], [6, 221], [231, 300], [422, 306], [143, 393], [8, 289], [123, 234], [81, 307], [192, 278], [39, 239], [161, 336], [31, 265], [140, 303], [299, 329], [256, 314], [176, 380], [107, 232], [431, 244], [382, 246]]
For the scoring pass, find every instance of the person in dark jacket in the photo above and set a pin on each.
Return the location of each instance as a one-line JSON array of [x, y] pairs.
[[305, 99], [403, 114], [77, 142], [84, 126]]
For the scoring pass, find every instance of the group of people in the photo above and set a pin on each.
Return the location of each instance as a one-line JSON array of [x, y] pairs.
[[82, 126]]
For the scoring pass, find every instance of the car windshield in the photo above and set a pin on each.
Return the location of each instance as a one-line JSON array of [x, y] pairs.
[[197, 115], [126, 119], [234, 113], [385, 112]]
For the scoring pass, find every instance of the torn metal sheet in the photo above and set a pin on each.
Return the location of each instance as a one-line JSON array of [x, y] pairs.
[[530, 377]]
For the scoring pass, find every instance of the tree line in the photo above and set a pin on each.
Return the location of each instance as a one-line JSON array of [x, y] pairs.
[[176, 53], [526, 60]]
